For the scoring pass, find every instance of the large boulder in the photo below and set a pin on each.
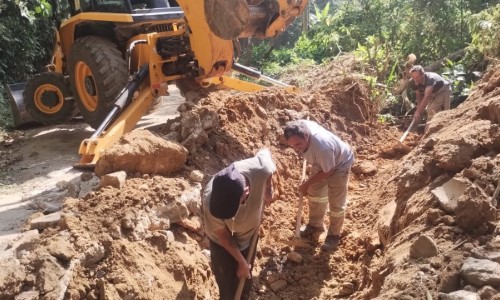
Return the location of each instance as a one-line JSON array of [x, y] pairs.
[[140, 151]]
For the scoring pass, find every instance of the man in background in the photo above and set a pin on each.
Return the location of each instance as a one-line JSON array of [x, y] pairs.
[[433, 92]]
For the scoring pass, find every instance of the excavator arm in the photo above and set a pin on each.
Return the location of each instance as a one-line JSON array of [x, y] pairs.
[[214, 25]]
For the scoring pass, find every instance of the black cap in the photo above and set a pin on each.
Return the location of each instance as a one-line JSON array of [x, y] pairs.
[[227, 188]]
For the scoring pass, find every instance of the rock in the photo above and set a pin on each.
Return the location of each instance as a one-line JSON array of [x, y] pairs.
[[474, 209], [107, 290], [196, 175], [174, 211], [193, 141], [193, 128], [433, 216], [52, 200], [372, 243], [384, 222], [30, 295], [459, 295], [364, 167], [48, 277], [278, 285], [88, 186], [447, 194], [12, 277], [295, 257], [482, 253], [115, 179], [94, 254], [192, 223], [424, 246], [481, 272], [487, 292], [192, 199], [86, 176], [163, 238], [46, 221], [140, 151], [261, 111], [60, 247], [24, 241], [455, 152], [346, 289]]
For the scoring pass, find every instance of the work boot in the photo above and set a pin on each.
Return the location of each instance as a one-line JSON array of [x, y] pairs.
[[331, 243], [310, 230]]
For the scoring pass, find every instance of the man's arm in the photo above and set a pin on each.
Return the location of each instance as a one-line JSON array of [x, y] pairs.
[[422, 104], [268, 192], [228, 242], [316, 178]]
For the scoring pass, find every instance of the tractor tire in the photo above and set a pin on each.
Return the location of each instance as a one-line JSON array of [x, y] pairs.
[[48, 99], [98, 72]]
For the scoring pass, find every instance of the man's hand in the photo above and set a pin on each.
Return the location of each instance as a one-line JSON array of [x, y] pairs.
[[416, 115], [243, 270], [303, 188]]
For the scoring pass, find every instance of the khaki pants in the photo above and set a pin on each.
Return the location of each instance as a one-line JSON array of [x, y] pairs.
[[439, 101], [332, 192]]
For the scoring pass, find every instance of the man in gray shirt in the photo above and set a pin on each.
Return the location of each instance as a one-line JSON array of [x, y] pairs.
[[233, 201], [433, 92], [331, 161]]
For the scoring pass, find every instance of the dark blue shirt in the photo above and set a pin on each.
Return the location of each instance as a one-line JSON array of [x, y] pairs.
[[430, 79]]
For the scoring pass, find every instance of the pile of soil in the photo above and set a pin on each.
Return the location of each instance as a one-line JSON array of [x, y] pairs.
[[146, 241]]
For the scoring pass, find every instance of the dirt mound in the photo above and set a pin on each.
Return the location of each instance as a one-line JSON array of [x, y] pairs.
[[461, 144]]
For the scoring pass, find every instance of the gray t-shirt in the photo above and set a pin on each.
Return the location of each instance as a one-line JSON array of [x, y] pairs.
[[327, 151], [430, 79], [256, 169]]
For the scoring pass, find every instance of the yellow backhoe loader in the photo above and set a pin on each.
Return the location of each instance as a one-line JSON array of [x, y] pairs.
[[114, 58]]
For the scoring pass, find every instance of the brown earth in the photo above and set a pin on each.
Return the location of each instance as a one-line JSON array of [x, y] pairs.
[[146, 241]]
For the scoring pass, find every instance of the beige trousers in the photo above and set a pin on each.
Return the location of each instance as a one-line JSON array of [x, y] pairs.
[[439, 101], [332, 192]]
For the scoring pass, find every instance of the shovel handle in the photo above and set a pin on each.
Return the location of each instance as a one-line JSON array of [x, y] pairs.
[[301, 200], [407, 131], [251, 251]]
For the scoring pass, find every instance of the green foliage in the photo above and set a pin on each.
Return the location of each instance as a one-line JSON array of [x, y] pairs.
[[26, 40], [386, 119], [485, 37], [376, 56]]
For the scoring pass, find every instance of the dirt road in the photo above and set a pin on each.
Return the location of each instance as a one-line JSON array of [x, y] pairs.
[[43, 156]]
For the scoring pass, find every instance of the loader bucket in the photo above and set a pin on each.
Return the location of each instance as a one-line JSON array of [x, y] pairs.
[[16, 101]]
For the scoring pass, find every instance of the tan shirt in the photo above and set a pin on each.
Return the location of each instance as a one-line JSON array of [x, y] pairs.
[[247, 220]]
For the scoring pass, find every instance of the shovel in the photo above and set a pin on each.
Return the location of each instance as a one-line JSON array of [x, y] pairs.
[[301, 200], [251, 251], [403, 137]]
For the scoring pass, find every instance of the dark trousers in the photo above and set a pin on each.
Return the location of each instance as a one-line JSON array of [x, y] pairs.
[[224, 267]]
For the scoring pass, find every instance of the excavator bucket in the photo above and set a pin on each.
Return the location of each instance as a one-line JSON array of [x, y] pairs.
[[230, 19], [227, 18], [16, 101]]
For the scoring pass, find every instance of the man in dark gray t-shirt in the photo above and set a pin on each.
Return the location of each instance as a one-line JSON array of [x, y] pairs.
[[433, 92]]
